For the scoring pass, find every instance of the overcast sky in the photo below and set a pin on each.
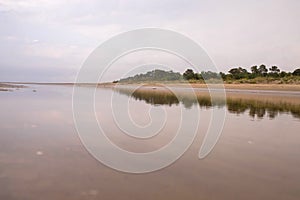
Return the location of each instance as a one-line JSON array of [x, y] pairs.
[[48, 40]]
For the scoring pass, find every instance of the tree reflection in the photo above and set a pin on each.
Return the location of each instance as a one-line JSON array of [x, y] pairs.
[[259, 108]]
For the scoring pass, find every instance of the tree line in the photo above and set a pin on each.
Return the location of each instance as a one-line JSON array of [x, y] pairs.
[[238, 73], [154, 75], [241, 73]]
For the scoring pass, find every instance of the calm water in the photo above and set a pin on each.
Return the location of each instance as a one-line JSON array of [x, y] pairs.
[[256, 157]]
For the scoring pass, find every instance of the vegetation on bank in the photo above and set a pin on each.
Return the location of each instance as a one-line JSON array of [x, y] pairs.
[[257, 74], [155, 75]]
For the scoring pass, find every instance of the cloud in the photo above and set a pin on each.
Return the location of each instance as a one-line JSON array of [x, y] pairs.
[[53, 33], [27, 5], [56, 51]]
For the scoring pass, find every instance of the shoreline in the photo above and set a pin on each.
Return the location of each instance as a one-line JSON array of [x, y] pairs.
[[243, 86], [7, 87], [4, 86]]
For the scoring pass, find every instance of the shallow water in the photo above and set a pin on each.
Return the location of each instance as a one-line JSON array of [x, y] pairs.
[[256, 157]]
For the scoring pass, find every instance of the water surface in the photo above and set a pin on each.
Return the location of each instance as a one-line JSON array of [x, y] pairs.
[[257, 156]]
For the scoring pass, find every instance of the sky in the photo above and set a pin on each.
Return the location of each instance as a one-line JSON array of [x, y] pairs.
[[49, 40]]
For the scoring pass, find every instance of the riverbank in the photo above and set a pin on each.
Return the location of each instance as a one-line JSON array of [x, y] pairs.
[[10, 87], [241, 86]]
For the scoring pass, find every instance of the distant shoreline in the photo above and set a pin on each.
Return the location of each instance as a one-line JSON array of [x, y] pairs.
[[4, 86], [10, 87]]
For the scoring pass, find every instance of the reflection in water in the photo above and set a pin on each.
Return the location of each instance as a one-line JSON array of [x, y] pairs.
[[260, 108], [155, 97], [257, 106], [42, 157]]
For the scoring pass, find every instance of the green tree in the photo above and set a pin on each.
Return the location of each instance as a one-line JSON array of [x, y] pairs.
[[223, 76], [254, 72], [254, 69], [189, 74], [263, 70], [209, 75], [238, 73], [274, 71], [296, 72], [283, 74]]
